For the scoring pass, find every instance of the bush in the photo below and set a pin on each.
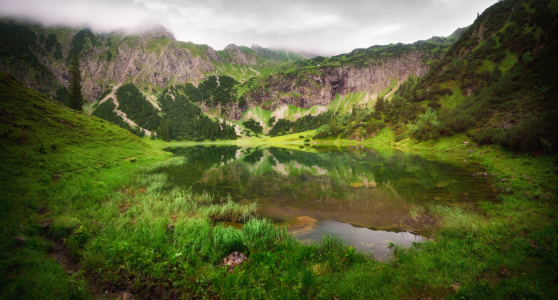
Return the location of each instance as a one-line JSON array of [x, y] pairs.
[[256, 127], [425, 127]]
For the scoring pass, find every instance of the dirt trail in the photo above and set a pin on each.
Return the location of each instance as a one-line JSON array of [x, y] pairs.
[[70, 266], [258, 73], [152, 99]]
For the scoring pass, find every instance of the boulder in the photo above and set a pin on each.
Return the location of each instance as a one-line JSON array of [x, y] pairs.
[[234, 259]]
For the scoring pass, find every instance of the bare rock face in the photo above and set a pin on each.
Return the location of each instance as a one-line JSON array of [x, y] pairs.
[[234, 259], [152, 58], [230, 111], [312, 89], [238, 57], [167, 64]]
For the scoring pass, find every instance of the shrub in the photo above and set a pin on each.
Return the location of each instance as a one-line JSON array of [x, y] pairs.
[[425, 127]]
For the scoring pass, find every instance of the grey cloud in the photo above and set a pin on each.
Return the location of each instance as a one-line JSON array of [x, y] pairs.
[[328, 27]]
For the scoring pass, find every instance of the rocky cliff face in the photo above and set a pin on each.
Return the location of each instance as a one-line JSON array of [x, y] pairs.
[[319, 87], [234, 55], [154, 58]]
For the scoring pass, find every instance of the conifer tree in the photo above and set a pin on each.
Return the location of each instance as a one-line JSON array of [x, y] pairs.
[[75, 98], [164, 131], [380, 104]]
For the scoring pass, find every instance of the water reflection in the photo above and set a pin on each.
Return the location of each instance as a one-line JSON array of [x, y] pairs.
[[363, 239], [361, 187]]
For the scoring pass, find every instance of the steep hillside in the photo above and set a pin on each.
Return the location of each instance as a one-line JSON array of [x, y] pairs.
[[499, 81], [44, 138], [280, 55], [317, 81], [44, 146]]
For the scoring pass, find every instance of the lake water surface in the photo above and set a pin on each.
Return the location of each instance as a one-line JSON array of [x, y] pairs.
[[354, 193]]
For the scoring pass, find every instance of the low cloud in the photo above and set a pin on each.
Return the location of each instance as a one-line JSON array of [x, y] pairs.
[[328, 27]]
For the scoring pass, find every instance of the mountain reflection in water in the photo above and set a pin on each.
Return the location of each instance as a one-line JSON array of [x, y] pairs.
[[370, 191]]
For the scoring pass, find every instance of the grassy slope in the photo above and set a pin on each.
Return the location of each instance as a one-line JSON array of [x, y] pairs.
[[46, 147]]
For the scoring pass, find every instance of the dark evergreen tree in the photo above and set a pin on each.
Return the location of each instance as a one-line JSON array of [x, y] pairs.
[[164, 131], [75, 98], [380, 104]]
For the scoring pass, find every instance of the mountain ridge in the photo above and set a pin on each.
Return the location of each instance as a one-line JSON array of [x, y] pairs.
[[152, 58]]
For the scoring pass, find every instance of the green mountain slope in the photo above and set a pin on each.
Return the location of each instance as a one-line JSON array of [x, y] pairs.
[[43, 138], [497, 82], [49, 155]]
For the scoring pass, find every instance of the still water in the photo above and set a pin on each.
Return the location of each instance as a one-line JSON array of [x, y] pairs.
[[354, 193]]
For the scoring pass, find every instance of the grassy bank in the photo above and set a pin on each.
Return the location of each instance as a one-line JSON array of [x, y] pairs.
[[502, 249]]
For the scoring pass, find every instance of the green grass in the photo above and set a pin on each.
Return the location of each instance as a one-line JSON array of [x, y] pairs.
[[45, 145], [451, 101], [508, 62], [113, 216], [386, 91], [344, 104]]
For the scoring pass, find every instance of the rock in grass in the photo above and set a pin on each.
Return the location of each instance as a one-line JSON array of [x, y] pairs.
[[234, 259], [455, 286], [19, 238], [126, 296]]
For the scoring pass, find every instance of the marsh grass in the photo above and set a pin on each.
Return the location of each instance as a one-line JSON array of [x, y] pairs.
[[458, 220], [416, 211]]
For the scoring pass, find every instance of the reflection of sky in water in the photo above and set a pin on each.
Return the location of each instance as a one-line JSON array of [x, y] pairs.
[[363, 239]]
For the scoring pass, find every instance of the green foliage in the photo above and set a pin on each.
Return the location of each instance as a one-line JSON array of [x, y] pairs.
[[216, 91], [18, 54], [137, 108], [75, 98], [253, 125], [106, 111], [51, 43], [271, 121], [114, 219], [380, 104], [80, 43], [164, 130], [356, 125], [425, 127], [506, 101], [105, 93], [308, 122], [62, 96], [29, 174], [186, 121]]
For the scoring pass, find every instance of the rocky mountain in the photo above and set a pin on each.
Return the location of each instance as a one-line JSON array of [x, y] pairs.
[[500, 56], [497, 83], [39, 55], [318, 81], [281, 55]]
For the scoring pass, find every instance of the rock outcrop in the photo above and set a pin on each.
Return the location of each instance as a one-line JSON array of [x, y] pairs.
[[306, 89], [234, 55]]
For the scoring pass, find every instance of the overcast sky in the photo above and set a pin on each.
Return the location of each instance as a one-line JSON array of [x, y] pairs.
[[323, 26]]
